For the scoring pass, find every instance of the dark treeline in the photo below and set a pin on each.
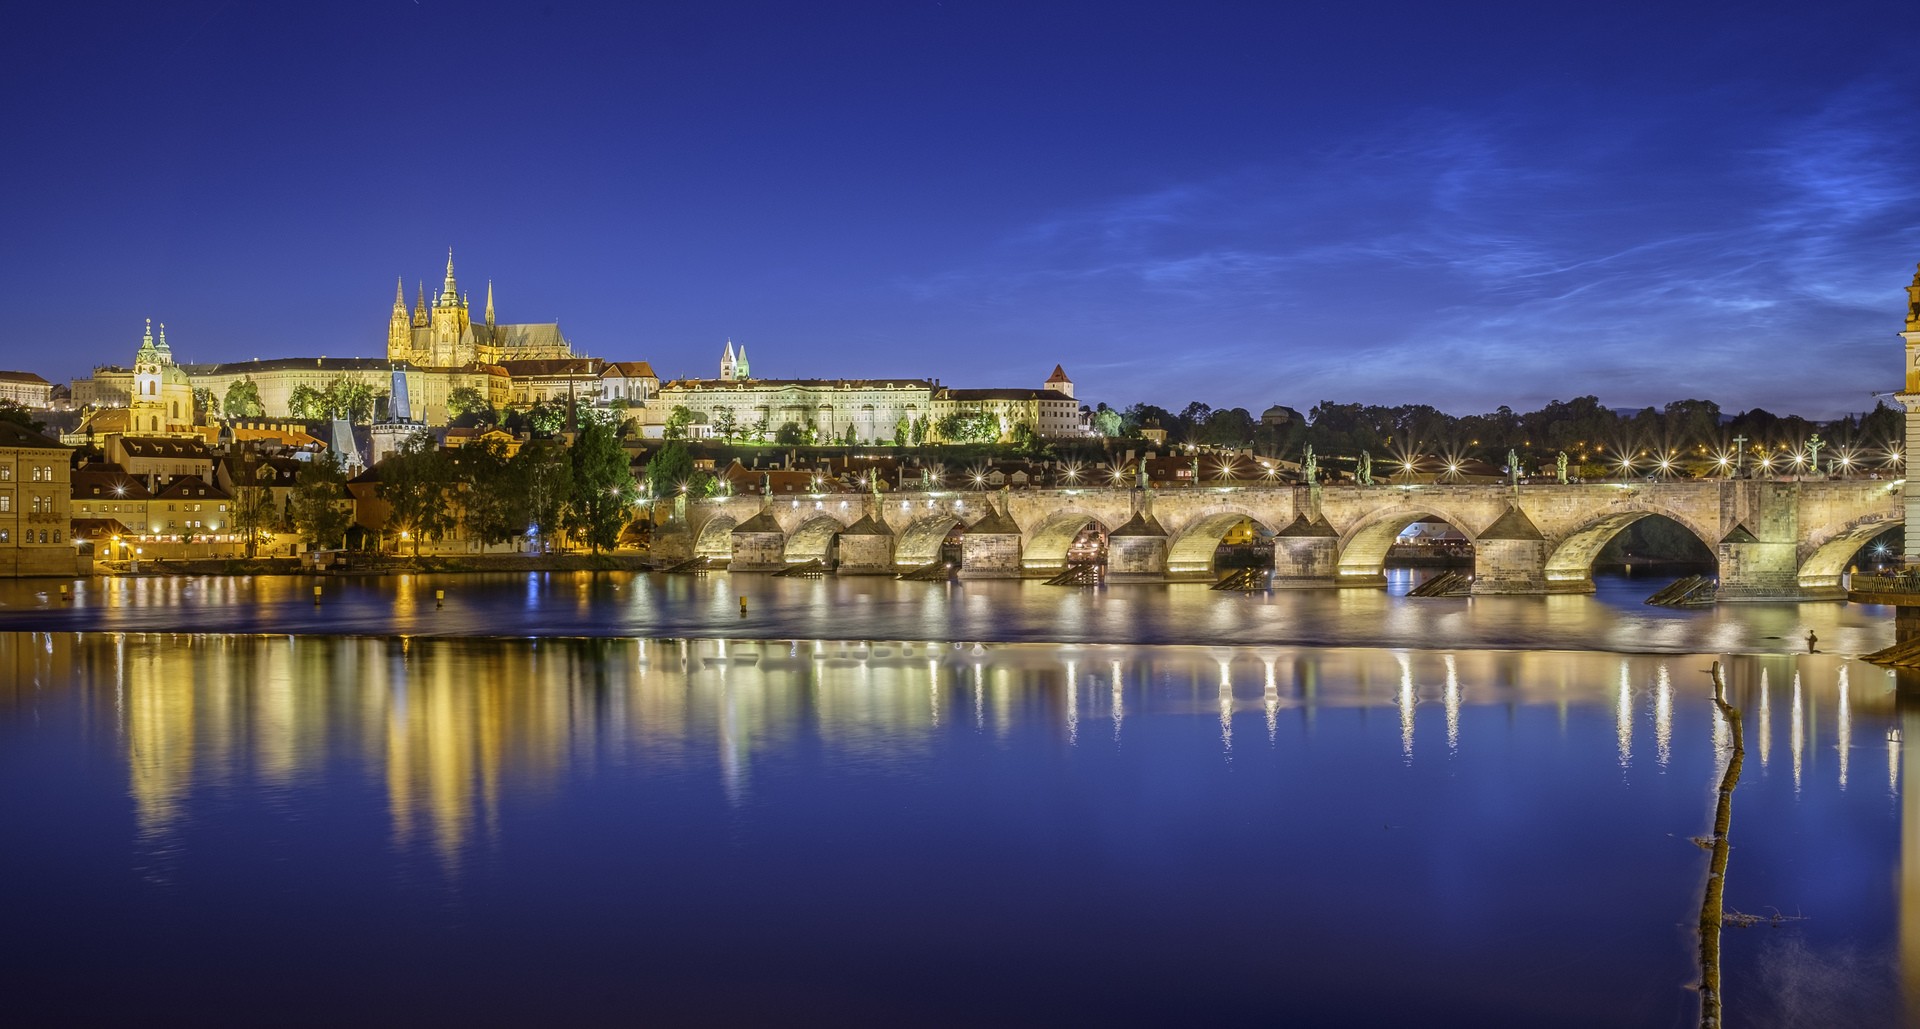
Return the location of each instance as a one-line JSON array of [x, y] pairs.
[[1594, 437]]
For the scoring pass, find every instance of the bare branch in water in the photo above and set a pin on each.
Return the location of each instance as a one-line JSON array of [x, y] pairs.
[[1712, 906]]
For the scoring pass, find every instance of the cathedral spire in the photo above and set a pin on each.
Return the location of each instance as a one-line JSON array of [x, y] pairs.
[[399, 295], [449, 293], [420, 307], [727, 363], [489, 303]]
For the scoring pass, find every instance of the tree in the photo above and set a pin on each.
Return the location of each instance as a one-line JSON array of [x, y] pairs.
[[348, 398], [304, 402], [205, 405], [917, 432], [1107, 422], [677, 421], [600, 503], [790, 434], [901, 430], [546, 418], [243, 400], [417, 483], [668, 469], [1228, 428], [318, 512], [850, 438], [543, 475], [495, 510], [21, 416], [466, 400], [725, 425], [252, 500]]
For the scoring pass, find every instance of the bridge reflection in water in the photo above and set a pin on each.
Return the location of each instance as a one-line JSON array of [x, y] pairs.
[[451, 729]]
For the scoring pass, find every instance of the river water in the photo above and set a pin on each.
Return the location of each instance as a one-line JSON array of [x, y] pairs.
[[596, 799]]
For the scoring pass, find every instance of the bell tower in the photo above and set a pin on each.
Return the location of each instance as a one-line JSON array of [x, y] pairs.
[[449, 323], [144, 410]]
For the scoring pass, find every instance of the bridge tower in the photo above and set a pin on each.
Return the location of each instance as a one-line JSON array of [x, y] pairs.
[[1909, 398]]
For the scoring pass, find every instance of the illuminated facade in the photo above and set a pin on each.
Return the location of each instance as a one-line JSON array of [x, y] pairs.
[[162, 401], [35, 506], [446, 336]]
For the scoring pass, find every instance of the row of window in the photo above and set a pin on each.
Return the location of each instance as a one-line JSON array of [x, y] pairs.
[[6, 536]]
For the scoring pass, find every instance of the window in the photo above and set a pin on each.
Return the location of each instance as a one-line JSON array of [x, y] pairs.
[[36, 473], [6, 474], [56, 535], [6, 501], [6, 535], [43, 535]]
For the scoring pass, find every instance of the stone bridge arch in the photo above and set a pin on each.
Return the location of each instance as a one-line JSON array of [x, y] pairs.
[[1045, 548], [1364, 545], [716, 538], [1821, 570], [1569, 567], [1190, 555], [812, 539], [919, 543]]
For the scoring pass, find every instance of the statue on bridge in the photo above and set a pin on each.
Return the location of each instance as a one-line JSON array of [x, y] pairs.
[[1140, 479], [1310, 468], [1513, 467], [1366, 468], [1196, 469], [1560, 467], [766, 484]]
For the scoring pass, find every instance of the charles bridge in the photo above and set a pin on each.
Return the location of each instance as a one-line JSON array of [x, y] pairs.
[[1772, 539]]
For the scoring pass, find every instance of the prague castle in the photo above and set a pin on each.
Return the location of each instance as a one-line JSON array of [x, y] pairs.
[[445, 335]]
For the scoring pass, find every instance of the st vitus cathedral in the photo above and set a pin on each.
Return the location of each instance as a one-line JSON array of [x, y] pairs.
[[446, 336]]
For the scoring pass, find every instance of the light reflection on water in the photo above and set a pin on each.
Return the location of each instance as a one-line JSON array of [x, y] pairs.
[[584, 794], [622, 604]]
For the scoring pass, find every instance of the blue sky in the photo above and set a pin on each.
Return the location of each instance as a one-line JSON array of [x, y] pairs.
[[1245, 204]]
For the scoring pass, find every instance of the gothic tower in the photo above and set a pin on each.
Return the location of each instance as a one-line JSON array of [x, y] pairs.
[[449, 322], [400, 326], [727, 363]]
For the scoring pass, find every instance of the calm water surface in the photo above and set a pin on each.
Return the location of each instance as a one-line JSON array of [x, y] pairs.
[[625, 604], [218, 828]]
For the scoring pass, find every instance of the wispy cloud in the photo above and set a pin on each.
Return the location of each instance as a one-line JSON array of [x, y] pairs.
[[1476, 262]]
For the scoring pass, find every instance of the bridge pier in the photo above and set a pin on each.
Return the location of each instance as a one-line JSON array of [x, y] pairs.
[[759, 545], [1137, 550], [990, 548], [866, 548], [1510, 557], [1307, 554]]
